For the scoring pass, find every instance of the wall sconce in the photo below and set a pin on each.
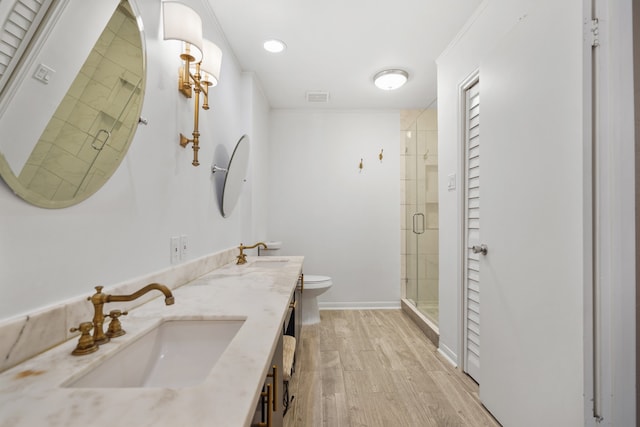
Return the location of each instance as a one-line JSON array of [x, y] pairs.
[[201, 61]]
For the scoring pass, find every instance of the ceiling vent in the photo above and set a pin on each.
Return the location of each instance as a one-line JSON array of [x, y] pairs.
[[317, 97]]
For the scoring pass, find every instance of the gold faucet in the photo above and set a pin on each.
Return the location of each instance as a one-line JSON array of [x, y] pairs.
[[99, 299], [242, 258]]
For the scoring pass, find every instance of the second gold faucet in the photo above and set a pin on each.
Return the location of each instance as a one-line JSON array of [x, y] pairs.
[[242, 258]]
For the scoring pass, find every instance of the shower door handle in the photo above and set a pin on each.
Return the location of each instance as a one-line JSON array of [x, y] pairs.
[[95, 138], [415, 223]]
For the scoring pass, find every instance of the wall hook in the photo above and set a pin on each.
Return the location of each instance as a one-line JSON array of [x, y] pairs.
[[380, 155], [361, 165]]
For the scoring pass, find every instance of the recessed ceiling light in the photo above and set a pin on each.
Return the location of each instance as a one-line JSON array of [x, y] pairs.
[[390, 79], [274, 46]]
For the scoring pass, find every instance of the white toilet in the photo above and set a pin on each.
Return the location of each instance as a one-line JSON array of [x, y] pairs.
[[313, 286]]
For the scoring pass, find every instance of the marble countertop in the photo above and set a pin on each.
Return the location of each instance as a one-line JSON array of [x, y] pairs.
[[32, 393]]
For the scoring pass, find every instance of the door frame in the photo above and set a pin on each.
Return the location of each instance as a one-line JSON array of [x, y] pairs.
[[610, 348], [468, 82]]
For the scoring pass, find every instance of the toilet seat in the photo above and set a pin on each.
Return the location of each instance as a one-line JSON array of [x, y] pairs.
[[309, 278], [315, 281]]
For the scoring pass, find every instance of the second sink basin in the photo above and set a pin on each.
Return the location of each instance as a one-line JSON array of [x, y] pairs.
[[176, 353], [269, 263]]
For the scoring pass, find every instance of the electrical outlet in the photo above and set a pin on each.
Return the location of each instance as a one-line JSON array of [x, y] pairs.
[[175, 249], [184, 247]]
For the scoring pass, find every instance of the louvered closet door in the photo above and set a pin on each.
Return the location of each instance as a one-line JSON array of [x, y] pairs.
[[472, 233], [22, 20]]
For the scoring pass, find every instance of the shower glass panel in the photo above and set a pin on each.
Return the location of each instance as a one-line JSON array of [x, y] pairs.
[[419, 136]]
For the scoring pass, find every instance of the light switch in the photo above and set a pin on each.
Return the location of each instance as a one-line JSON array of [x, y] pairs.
[[175, 249], [184, 247], [451, 182], [43, 73]]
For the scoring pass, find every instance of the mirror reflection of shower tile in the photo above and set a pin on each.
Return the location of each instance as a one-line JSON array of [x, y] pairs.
[[45, 183]]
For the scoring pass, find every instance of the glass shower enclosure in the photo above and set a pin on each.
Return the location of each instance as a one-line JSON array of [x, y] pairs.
[[419, 142]]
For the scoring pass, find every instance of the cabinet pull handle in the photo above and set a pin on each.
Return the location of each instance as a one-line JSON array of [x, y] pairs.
[[269, 396], [274, 375]]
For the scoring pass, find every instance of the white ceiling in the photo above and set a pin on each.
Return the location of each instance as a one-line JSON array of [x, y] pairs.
[[338, 45]]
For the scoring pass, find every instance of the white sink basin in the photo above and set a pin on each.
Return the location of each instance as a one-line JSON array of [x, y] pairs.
[[177, 353], [269, 263]]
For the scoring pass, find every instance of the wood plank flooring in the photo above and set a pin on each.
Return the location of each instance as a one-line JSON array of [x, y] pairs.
[[375, 368]]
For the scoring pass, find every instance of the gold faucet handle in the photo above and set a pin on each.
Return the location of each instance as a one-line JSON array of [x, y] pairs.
[[84, 328], [114, 314], [98, 292], [242, 258], [86, 344], [115, 327]]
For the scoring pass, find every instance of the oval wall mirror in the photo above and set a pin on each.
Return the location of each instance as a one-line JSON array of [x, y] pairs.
[[89, 132], [235, 177]]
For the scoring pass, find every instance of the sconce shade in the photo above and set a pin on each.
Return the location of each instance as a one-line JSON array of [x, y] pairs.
[[182, 23], [211, 62]]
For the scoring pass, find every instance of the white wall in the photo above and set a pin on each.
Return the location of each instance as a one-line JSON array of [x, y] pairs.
[[345, 222], [529, 56], [123, 230], [259, 170], [536, 210], [534, 191], [615, 204], [485, 28]]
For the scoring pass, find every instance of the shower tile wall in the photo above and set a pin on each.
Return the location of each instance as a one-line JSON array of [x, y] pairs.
[[419, 189], [94, 102]]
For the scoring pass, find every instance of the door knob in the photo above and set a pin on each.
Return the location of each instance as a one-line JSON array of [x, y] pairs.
[[480, 249]]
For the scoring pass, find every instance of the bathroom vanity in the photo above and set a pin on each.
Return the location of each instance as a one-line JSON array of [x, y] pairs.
[[242, 309]]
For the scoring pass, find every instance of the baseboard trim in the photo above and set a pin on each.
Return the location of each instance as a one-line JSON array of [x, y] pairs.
[[375, 305], [429, 328], [449, 355]]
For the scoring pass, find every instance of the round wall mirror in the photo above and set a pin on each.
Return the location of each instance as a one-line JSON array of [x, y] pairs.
[[236, 173], [83, 139]]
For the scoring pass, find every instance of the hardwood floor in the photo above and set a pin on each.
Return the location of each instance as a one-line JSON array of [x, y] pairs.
[[375, 368]]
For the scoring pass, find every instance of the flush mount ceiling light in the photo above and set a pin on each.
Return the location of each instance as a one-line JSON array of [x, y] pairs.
[[390, 79], [274, 46]]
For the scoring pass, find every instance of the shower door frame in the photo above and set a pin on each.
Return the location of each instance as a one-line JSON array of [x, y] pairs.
[[417, 226]]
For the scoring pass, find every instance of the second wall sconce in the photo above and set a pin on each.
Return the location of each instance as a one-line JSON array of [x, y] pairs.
[[201, 61]]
